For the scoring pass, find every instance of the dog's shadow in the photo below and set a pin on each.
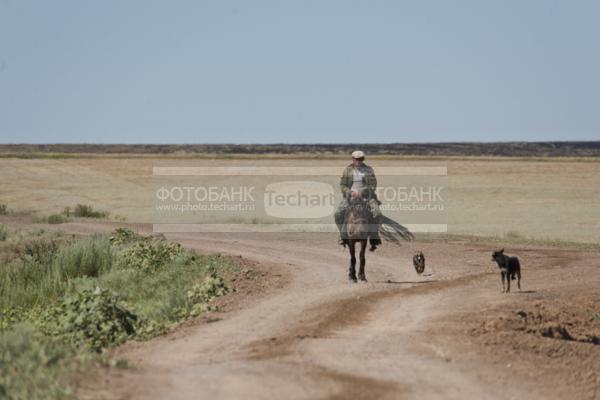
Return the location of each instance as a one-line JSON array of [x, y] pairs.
[[526, 291], [407, 282]]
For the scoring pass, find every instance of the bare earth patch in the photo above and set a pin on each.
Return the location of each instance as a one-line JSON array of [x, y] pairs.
[[554, 338], [548, 339]]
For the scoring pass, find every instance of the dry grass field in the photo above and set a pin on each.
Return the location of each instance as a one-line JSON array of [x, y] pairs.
[[541, 199]]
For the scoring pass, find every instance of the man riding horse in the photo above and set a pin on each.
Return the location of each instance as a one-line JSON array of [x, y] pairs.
[[358, 180]]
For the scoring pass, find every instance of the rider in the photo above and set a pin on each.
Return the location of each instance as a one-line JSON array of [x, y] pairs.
[[359, 179]]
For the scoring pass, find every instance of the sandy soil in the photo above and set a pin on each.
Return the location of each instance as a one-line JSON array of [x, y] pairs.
[[448, 334]]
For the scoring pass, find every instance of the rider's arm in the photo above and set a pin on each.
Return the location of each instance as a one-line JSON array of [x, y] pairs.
[[371, 180], [346, 182]]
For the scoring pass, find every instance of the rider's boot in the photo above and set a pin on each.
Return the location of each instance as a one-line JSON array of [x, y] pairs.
[[374, 238], [374, 241]]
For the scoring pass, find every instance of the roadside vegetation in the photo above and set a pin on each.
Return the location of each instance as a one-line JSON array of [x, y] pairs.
[[56, 219], [64, 300], [79, 211], [84, 211]]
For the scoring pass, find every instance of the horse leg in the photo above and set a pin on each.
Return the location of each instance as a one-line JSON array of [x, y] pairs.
[[361, 271], [352, 270]]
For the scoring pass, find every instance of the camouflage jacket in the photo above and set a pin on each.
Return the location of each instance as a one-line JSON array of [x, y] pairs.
[[347, 177]]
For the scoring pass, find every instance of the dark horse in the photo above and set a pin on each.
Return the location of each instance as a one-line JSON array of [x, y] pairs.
[[356, 230]]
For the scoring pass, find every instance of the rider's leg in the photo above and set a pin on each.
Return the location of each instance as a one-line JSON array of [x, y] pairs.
[[375, 222], [339, 215]]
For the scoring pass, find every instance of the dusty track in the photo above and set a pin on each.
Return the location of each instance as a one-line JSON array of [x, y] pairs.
[[399, 336]]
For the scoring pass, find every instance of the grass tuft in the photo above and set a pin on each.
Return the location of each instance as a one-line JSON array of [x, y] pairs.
[[44, 272], [57, 219], [87, 211]]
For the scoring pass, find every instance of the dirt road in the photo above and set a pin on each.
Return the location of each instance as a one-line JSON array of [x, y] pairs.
[[399, 336]]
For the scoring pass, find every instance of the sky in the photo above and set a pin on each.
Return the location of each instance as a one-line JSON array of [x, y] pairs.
[[323, 71]]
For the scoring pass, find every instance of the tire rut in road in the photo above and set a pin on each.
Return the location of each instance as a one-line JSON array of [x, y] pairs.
[[342, 385], [325, 319]]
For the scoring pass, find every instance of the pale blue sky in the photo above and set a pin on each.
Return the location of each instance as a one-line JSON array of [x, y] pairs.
[[298, 71]]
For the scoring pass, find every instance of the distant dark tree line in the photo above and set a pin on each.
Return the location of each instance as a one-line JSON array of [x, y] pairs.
[[510, 149]]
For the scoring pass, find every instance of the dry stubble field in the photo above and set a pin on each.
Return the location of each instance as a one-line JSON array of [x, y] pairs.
[[493, 197]]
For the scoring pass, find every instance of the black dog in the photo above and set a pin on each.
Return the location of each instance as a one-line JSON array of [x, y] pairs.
[[509, 267], [419, 262]]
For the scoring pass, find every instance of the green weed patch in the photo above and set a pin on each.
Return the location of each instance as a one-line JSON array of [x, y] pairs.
[[149, 255], [94, 318], [123, 236], [85, 211], [93, 293]]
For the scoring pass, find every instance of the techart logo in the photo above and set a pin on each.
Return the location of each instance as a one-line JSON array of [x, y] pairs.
[[299, 199]]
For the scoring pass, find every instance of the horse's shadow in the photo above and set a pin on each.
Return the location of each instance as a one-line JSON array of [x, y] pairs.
[[390, 282]]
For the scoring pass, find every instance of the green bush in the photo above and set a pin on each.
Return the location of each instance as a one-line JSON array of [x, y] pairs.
[[10, 317], [32, 365], [87, 211], [212, 286], [200, 295], [3, 209], [124, 236], [149, 255], [94, 318], [57, 219]]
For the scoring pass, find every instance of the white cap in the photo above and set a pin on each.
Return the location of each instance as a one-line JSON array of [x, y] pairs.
[[358, 154]]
